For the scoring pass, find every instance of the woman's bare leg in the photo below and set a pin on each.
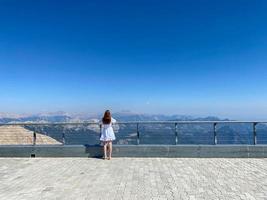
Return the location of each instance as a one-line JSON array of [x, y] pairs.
[[110, 148], [105, 149]]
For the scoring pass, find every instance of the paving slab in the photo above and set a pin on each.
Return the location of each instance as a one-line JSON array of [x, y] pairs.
[[132, 178]]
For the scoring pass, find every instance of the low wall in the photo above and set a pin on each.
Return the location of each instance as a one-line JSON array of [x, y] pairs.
[[186, 151]]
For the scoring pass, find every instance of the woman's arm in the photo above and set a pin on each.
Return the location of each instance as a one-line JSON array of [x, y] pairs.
[[113, 120]]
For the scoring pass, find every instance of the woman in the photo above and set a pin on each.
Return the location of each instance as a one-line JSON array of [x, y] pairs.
[[107, 134]]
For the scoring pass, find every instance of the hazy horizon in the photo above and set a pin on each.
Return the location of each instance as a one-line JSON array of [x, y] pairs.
[[90, 114]]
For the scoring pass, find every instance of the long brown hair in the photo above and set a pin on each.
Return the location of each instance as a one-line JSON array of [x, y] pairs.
[[107, 117]]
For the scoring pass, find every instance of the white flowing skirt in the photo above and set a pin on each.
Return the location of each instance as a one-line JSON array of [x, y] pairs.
[[107, 134]]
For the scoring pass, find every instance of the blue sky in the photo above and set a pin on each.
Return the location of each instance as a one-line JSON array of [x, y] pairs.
[[194, 57]]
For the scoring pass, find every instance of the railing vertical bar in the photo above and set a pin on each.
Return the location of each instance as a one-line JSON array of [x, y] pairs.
[[176, 133], [63, 136], [215, 133], [138, 134], [100, 130], [254, 134], [34, 137]]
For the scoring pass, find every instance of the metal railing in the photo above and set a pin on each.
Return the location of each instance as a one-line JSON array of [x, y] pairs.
[[175, 124]]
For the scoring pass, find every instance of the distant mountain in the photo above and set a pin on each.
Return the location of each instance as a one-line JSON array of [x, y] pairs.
[[42, 117], [120, 116], [11, 115], [36, 119], [161, 117], [128, 116]]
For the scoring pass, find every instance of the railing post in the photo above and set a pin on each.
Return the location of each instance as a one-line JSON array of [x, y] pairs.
[[63, 138], [34, 137], [176, 133], [138, 134], [100, 130], [215, 133], [63, 135], [254, 133]]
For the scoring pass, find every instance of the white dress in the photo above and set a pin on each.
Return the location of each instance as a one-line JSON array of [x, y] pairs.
[[107, 133]]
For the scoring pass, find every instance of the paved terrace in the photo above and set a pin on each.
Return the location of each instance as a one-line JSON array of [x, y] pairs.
[[133, 178]]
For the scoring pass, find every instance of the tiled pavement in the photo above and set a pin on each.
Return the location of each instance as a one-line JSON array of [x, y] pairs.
[[132, 178]]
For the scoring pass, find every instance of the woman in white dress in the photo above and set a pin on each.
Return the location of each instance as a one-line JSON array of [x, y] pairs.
[[107, 134]]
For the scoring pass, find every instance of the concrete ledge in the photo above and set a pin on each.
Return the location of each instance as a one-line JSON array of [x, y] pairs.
[[172, 151]]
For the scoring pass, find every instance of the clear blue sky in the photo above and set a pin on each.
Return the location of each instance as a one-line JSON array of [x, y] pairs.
[[196, 57]]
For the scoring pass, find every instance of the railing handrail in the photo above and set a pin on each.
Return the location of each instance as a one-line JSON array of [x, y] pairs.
[[174, 122], [130, 122]]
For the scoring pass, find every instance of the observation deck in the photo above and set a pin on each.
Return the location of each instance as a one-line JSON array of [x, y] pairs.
[[152, 160], [239, 139]]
